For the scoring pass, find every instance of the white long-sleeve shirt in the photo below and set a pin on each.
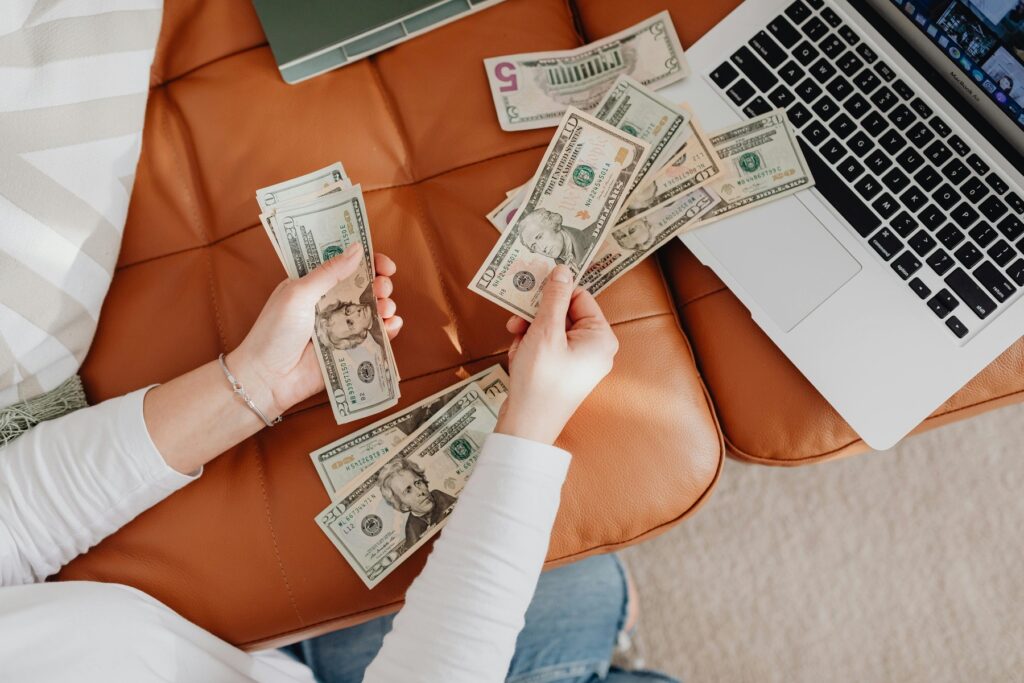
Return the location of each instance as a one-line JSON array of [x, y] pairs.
[[70, 482]]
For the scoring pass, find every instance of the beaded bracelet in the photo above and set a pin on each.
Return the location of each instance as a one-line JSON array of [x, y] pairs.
[[242, 394]]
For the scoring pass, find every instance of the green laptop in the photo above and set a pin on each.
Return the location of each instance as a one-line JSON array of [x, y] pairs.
[[309, 37]]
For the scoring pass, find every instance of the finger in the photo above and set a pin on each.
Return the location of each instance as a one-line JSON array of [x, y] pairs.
[[386, 307], [383, 264], [514, 346], [517, 325], [393, 326], [584, 309], [326, 276], [554, 302], [382, 286]]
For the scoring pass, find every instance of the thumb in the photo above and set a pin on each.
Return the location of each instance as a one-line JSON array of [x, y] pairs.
[[554, 301], [319, 281]]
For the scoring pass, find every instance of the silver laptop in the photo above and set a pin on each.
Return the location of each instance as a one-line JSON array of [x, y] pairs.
[[899, 276]]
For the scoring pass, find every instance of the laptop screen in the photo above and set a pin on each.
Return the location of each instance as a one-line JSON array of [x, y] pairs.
[[983, 42]]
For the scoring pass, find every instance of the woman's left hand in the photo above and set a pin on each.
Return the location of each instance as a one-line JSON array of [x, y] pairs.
[[276, 362]]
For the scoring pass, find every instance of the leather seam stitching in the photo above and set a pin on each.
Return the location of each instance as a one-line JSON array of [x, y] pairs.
[[705, 295]]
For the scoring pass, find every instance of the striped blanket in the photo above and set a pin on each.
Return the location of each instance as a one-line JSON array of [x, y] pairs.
[[74, 78]]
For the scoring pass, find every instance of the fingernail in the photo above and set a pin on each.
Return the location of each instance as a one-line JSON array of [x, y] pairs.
[[561, 274]]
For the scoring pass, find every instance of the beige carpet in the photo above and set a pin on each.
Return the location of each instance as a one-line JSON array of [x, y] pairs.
[[898, 566]]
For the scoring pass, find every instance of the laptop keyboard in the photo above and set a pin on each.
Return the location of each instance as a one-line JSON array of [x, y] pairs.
[[918, 193]]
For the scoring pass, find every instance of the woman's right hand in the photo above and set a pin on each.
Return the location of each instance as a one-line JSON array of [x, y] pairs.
[[556, 361]]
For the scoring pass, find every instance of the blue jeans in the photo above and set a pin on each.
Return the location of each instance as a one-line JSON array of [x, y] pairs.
[[570, 632]]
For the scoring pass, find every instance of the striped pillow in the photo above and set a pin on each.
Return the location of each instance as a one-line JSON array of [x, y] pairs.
[[74, 77]]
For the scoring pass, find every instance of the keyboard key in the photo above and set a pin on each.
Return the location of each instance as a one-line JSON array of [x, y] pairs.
[[848, 35], [946, 196], [920, 288], [831, 46], [892, 142], [1016, 271], [791, 72], [958, 145], [978, 164], [974, 189], [814, 29], [839, 88], [903, 223], [843, 126], [956, 171], [885, 72], [901, 117], [815, 4], [940, 126], [940, 262], [902, 89], [784, 31], [1015, 202], [884, 99], [910, 160], [830, 17], [885, 205], [928, 178], [725, 74], [756, 107], [839, 194], [886, 243], [920, 134], [997, 184], [968, 255], [798, 12], [754, 69], [860, 144], [866, 81], [767, 49], [874, 123], [932, 217], [937, 153], [983, 234], [1011, 227], [964, 215], [833, 150], [896, 180], [822, 70], [1002, 252], [849, 63], [906, 264], [805, 53], [950, 236], [993, 208], [994, 281], [857, 106], [913, 198], [808, 90], [922, 243], [825, 108], [798, 114], [922, 109], [940, 303], [956, 327], [877, 162], [866, 53], [740, 92], [816, 133], [850, 169]]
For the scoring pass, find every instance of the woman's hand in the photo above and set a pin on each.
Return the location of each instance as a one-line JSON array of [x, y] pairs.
[[276, 362], [556, 361]]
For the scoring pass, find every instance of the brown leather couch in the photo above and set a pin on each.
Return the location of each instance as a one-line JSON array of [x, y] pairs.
[[237, 552]]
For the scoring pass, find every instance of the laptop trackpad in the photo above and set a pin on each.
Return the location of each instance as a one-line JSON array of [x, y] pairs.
[[783, 257]]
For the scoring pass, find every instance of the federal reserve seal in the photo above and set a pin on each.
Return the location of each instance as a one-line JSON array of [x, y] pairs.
[[331, 251], [372, 525], [749, 162], [460, 449], [583, 175], [524, 281], [365, 372]]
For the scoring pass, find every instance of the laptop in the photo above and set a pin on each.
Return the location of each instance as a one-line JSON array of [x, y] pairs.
[[309, 37], [900, 275]]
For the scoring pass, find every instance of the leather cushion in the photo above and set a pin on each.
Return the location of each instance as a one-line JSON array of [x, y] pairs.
[[237, 551]]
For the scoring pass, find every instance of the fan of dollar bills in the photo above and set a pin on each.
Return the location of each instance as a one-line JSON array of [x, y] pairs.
[[626, 170]]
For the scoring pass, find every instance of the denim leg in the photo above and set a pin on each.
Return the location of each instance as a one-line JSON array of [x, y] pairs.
[[342, 656]]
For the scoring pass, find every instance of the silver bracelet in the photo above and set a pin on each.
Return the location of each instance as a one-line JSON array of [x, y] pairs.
[[242, 394]]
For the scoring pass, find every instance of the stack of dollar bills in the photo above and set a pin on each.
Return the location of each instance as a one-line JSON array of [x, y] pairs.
[[623, 177], [310, 220]]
